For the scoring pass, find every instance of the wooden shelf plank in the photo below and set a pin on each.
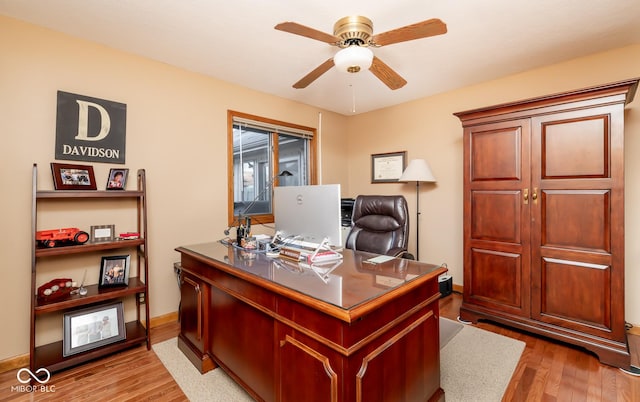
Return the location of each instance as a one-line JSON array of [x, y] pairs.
[[43, 194], [94, 294], [50, 356], [87, 247]]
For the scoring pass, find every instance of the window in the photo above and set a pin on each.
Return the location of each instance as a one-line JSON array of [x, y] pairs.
[[260, 150]]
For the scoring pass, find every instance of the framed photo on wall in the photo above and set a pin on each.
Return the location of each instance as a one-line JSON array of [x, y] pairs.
[[73, 177], [117, 179], [114, 271], [93, 327], [387, 167]]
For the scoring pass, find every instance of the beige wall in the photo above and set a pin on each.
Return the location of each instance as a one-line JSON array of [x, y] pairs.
[[176, 130], [427, 129]]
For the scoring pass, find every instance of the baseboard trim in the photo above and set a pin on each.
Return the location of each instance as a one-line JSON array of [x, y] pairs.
[[18, 362], [164, 319], [634, 330], [14, 363]]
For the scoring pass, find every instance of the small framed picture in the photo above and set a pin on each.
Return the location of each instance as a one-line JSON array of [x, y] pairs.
[[102, 233], [73, 177], [93, 327], [114, 271], [387, 168], [117, 179]]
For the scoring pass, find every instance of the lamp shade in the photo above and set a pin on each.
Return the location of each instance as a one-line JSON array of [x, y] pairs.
[[353, 59], [418, 170]]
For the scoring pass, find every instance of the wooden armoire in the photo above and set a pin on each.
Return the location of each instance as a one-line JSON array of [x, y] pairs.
[[544, 217]]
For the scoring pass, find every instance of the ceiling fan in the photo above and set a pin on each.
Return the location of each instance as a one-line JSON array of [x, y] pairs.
[[354, 35]]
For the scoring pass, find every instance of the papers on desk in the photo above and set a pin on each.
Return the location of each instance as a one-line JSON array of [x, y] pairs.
[[321, 254], [379, 259]]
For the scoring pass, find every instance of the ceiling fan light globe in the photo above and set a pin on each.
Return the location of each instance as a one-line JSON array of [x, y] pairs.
[[353, 59]]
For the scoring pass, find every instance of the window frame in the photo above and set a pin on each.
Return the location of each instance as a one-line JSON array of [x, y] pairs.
[[274, 168]]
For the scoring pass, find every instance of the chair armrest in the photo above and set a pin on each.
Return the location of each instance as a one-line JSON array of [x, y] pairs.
[[399, 252], [408, 256], [396, 252]]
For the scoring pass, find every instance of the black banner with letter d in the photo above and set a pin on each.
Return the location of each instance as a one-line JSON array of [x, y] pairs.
[[90, 129]]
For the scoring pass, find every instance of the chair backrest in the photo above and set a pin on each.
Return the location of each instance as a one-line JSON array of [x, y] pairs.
[[380, 225]]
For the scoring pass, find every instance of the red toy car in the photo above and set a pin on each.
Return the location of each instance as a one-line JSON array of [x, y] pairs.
[[61, 237], [129, 236]]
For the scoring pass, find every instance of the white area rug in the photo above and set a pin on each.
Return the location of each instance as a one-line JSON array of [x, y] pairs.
[[476, 365], [214, 386]]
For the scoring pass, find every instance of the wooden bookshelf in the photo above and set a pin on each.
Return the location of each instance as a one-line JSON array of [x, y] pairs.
[[50, 356]]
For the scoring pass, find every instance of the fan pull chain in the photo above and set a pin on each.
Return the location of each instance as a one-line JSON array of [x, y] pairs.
[[353, 99]]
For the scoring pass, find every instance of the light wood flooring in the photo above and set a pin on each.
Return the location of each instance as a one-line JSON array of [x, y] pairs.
[[548, 371]]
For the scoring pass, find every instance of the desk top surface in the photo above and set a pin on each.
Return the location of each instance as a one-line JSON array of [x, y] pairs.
[[345, 284]]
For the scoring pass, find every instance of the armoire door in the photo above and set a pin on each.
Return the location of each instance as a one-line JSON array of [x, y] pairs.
[[497, 223], [578, 221]]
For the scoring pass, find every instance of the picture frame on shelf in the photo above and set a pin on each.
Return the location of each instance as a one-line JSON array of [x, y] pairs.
[[114, 271], [102, 233], [387, 167], [68, 176], [93, 327], [117, 179]]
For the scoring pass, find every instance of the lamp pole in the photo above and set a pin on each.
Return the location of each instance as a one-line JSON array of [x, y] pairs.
[[418, 220], [418, 171]]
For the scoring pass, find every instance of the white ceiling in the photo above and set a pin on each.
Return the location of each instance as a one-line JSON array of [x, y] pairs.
[[234, 40]]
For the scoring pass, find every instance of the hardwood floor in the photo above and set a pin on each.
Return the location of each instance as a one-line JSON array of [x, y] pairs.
[[553, 371], [548, 371], [132, 375]]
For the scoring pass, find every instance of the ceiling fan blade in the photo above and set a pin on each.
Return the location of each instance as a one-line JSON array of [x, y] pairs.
[[418, 30], [297, 29], [385, 74], [313, 75]]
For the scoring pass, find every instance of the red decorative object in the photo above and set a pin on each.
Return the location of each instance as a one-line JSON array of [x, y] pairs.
[[61, 237], [129, 236], [55, 288]]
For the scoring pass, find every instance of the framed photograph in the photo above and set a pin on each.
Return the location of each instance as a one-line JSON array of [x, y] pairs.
[[387, 168], [102, 233], [73, 177], [114, 271], [117, 179], [93, 327]]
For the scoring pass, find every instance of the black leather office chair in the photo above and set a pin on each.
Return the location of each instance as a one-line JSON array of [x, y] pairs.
[[380, 225]]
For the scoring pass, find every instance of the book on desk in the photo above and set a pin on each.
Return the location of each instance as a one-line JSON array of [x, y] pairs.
[[307, 253]]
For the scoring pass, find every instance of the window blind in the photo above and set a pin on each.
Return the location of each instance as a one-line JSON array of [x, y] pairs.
[[271, 128]]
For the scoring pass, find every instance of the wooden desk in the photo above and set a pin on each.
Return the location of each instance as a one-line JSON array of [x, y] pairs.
[[361, 333]]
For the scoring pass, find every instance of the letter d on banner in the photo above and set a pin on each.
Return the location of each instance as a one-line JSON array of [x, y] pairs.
[[83, 121]]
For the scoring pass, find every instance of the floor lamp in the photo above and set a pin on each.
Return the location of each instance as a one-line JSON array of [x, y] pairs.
[[418, 171]]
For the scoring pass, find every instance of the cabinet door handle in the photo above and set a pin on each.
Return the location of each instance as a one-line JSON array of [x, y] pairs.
[[525, 193], [535, 195], [199, 312]]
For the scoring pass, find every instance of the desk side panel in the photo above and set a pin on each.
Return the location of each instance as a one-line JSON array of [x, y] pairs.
[[390, 354], [242, 343]]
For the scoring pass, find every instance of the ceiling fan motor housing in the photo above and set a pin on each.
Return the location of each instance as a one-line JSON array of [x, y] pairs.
[[353, 30]]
